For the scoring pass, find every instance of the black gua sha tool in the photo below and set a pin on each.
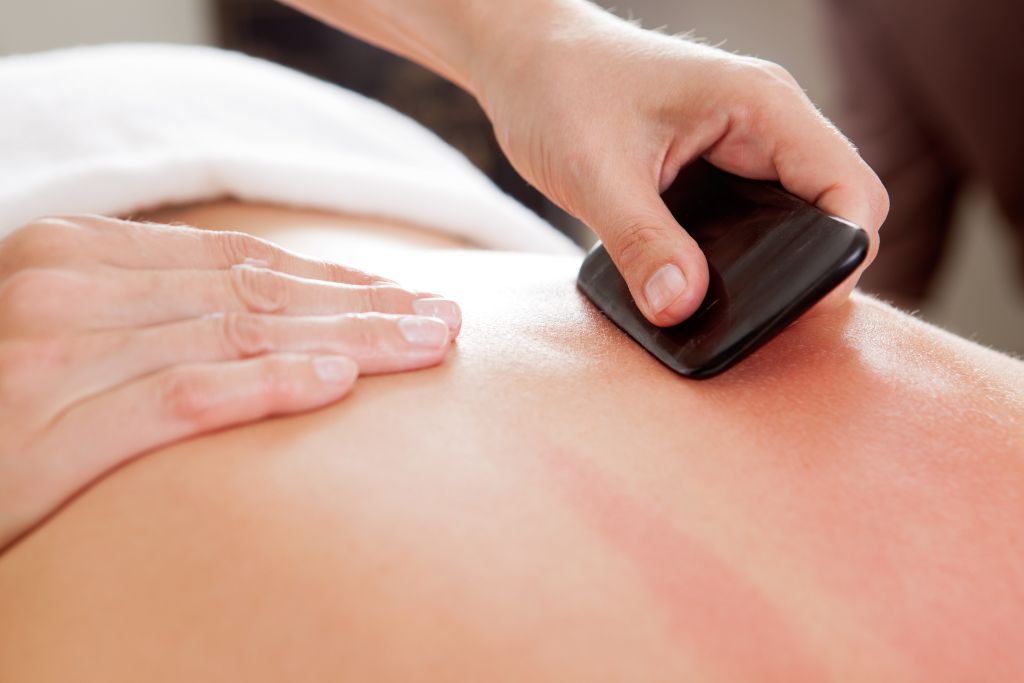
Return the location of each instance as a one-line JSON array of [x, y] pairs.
[[771, 256]]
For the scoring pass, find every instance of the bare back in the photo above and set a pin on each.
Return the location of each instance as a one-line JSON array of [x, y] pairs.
[[552, 504]]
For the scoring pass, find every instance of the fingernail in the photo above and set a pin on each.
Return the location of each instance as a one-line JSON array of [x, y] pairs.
[[444, 309], [428, 332], [335, 369], [664, 287]]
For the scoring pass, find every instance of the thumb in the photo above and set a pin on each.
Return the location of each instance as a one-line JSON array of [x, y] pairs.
[[664, 268]]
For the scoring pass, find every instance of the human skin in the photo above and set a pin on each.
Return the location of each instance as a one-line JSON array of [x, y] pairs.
[[552, 504], [117, 337], [600, 115]]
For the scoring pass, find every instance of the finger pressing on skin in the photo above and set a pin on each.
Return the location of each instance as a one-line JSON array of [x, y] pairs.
[[188, 400], [377, 343], [150, 246], [139, 298], [663, 266]]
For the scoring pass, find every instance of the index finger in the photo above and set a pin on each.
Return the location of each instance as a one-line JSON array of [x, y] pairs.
[[837, 181], [816, 162]]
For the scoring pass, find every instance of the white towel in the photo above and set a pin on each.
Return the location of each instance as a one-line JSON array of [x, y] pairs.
[[119, 129]]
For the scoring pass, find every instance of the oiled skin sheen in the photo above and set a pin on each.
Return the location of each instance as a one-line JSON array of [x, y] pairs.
[[552, 504]]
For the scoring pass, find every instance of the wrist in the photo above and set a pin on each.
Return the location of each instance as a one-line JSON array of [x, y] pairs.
[[507, 40]]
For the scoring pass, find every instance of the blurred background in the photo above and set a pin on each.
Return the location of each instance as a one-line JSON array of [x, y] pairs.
[[967, 279]]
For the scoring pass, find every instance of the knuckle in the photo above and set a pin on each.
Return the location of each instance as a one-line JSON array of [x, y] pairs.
[[192, 398], [335, 272], [385, 297], [244, 334], [261, 290], [98, 222], [60, 224], [766, 92], [771, 73], [238, 247], [278, 379], [634, 242], [44, 239], [184, 396]]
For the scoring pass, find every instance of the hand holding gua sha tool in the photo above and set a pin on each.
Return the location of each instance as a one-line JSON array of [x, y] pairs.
[[771, 256]]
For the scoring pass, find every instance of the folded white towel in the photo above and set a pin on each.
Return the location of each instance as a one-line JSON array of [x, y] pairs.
[[119, 129]]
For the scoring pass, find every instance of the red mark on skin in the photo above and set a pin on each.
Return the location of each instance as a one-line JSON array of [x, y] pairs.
[[713, 610]]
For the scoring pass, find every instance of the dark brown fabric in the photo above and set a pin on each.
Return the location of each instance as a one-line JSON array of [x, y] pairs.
[[933, 95]]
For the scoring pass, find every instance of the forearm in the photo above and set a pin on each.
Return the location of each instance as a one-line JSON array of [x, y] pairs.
[[601, 115], [458, 39]]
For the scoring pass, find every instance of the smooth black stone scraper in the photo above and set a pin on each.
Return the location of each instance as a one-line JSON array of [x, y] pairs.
[[771, 256]]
